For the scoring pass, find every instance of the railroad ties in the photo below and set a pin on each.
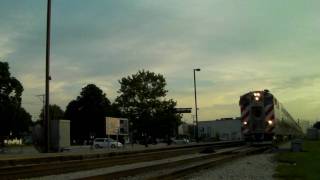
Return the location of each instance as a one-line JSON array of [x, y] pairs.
[[122, 164]]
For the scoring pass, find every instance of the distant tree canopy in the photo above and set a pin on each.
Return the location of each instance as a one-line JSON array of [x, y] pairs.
[[87, 113], [23, 121], [55, 113], [317, 125], [142, 100], [14, 118]]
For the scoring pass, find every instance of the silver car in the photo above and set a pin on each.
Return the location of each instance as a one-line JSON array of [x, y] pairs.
[[180, 140], [106, 143]]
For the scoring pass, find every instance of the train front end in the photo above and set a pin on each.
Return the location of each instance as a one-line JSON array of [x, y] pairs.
[[257, 116]]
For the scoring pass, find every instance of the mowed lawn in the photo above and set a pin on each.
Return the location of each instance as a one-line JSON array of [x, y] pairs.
[[300, 165]]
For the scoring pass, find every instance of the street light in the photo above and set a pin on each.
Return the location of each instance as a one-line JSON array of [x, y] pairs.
[[195, 102], [194, 125]]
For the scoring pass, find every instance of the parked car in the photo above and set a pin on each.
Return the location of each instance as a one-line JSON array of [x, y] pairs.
[[180, 140], [106, 143]]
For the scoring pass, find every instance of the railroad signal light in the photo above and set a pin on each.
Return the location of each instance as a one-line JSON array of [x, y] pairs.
[[270, 122]]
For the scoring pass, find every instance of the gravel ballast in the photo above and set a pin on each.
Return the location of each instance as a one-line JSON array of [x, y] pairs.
[[260, 167]]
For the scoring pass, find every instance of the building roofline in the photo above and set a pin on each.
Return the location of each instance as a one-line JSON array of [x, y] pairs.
[[222, 119]]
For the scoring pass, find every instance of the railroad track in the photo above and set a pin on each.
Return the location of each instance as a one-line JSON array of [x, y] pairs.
[[25, 168], [181, 167]]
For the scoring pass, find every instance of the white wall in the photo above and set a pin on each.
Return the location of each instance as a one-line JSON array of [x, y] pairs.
[[226, 129]]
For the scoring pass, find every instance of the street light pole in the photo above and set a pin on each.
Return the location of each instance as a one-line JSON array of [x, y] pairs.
[[46, 112], [195, 102], [194, 126]]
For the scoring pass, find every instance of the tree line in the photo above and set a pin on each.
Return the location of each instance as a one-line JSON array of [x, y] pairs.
[[14, 119], [141, 98]]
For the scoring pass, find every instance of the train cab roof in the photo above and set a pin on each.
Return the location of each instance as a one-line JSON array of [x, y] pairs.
[[254, 95]]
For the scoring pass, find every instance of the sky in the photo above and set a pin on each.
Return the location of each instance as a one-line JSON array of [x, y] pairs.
[[240, 46]]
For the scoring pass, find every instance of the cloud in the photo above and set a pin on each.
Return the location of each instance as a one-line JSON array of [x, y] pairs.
[[239, 45]]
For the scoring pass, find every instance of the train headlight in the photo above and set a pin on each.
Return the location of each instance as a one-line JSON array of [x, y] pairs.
[[270, 122], [257, 94], [257, 98], [245, 123]]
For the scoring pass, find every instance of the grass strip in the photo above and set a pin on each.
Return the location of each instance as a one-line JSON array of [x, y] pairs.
[[300, 165]]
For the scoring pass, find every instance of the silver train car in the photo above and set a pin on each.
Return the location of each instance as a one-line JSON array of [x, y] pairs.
[[264, 119]]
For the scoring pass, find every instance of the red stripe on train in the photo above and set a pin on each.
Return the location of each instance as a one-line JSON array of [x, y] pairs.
[[269, 110], [245, 115], [243, 108]]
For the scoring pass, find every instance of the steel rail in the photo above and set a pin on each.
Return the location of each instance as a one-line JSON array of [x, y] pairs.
[[179, 168], [87, 163], [58, 157], [210, 163]]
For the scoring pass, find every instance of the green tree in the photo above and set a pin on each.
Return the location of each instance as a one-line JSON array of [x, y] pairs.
[[55, 113], [142, 100], [317, 125], [14, 119], [23, 122], [87, 113]]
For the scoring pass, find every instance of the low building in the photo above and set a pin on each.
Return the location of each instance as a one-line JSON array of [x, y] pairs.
[[305, 125], [186, 130], [222, 129], [312, 134], [117, 128]]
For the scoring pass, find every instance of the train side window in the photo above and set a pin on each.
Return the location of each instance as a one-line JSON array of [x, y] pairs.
[[276, 102]]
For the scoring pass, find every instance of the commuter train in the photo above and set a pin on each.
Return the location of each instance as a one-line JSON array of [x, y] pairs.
[[264, 119]]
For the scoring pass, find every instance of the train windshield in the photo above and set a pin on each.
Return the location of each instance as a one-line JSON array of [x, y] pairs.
[[257, 111], [268, 100]]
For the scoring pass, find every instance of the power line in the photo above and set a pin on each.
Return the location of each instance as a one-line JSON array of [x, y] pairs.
[[42, 98]]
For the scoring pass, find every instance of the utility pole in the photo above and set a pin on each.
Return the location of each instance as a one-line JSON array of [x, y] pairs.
[[46, 112]]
